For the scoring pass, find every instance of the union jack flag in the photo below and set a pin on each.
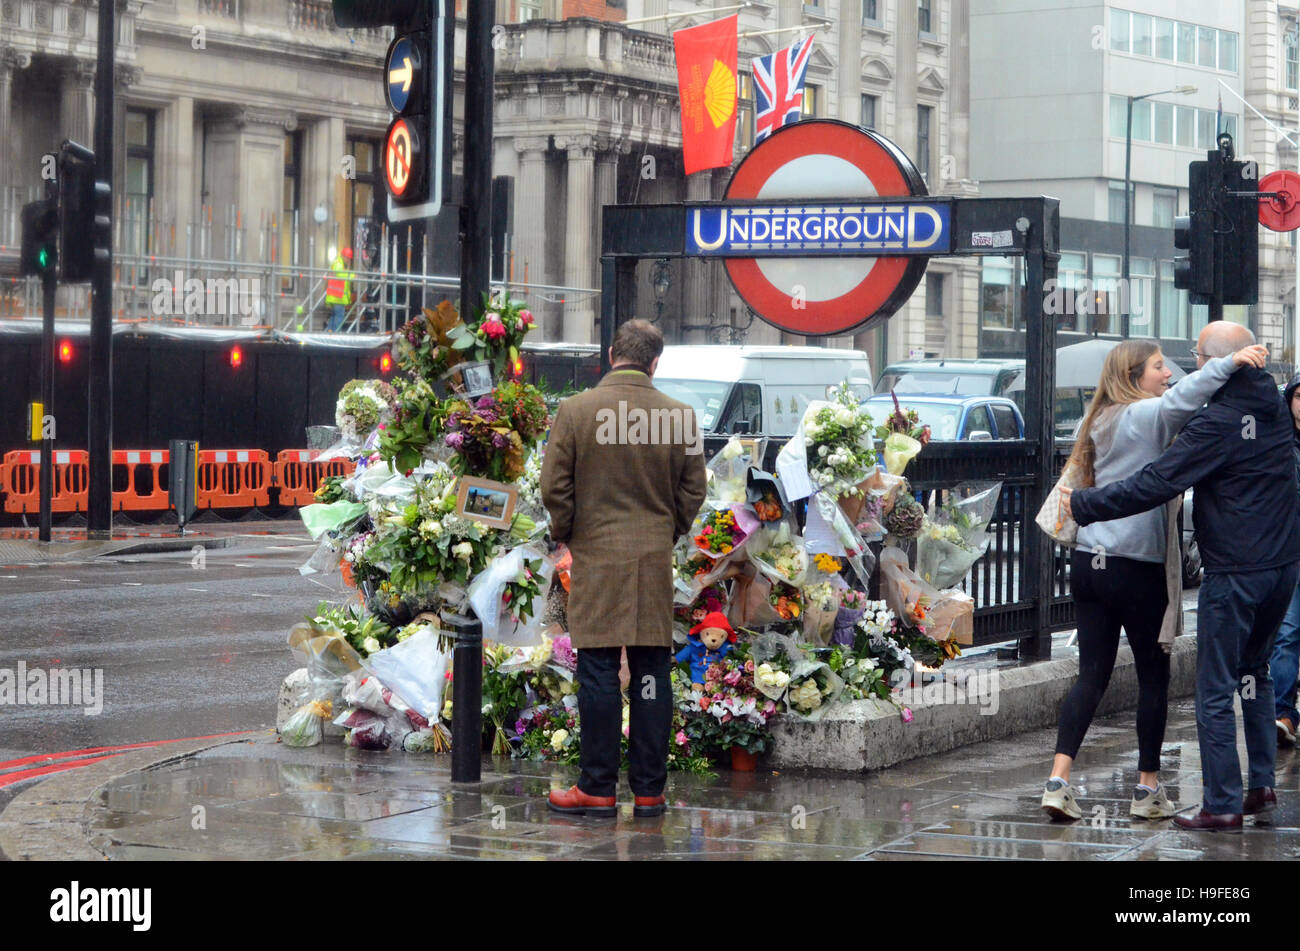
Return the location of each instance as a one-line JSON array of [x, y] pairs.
[[778, 88]]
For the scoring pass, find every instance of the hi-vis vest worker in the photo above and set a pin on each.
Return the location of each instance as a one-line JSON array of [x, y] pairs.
[[338, 289]]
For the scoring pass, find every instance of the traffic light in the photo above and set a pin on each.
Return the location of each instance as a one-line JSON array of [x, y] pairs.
[[1194, 233], [76, 202], [1238, 233], [418, 88], [39, 256]]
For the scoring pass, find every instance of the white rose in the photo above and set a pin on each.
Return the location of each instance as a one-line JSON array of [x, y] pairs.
[[463, 551], [844, 416], [371, 645]]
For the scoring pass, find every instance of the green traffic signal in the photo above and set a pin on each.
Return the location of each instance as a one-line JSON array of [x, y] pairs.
[[43, 258]]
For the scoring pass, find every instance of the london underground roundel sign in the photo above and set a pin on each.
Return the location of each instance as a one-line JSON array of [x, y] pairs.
[[831, 163]]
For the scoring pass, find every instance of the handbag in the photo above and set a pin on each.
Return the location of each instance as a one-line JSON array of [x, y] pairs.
[[1052, 518]]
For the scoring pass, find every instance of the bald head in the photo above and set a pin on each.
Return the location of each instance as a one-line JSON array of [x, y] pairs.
[[1221, 338]]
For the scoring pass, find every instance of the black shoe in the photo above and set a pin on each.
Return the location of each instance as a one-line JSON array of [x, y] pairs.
[[1260, 800]]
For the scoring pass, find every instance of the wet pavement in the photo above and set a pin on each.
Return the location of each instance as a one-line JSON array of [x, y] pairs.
[[261, 800]]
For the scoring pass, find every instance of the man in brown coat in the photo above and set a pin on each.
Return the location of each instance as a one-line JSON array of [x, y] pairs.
[[623, 477]]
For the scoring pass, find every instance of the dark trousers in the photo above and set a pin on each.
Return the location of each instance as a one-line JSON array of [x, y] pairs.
[[1238, 615], [1109, 593], [600, 713]]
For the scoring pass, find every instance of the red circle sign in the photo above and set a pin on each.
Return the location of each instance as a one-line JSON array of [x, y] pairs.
[[825, 159], [1283, 212], [402, 158]]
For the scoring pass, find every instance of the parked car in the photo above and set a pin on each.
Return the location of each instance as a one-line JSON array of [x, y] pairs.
[[956, 417], [744, 389]]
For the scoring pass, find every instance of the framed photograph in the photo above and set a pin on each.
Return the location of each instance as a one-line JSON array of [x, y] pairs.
[[470, 380], [754, 447], [477, 378], [492, 503]]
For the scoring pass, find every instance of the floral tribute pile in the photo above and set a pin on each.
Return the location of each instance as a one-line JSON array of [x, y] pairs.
[[443, 515]]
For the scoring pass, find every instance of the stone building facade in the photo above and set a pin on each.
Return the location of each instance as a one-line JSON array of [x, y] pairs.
[[250, 131]]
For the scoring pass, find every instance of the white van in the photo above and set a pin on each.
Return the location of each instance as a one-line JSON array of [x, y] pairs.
[[761, 390]]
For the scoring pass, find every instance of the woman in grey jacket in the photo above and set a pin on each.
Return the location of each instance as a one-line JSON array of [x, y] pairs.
[[1126, 572]]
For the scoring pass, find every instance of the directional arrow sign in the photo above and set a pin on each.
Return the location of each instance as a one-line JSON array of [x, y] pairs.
[[405, 75]]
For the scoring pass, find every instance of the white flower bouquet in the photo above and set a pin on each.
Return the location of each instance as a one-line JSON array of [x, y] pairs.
[[955, 534], [779, 555]]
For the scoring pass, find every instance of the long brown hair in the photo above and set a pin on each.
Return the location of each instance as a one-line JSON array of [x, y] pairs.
[[1118, 386]]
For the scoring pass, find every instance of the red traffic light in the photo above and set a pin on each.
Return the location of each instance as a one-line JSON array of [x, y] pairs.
[[385, 363], [65, 352], [236, 357]]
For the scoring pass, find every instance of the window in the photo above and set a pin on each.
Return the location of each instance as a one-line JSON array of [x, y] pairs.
[[1071, 272], [1163, 123], [139, 181], [1162, 38], [1228, 52], [812, 100], [1118, 117], [1186, 126], [1187, 43], [1164, 206], [1120, 29], [977, 420], [1173, 305], [745, 408], [1005, 418], [1105, 279], [1141, 298], [1142, 120], [870, 11], [1206, 46], [1291, 52], [924, 21], [934, 295], [364, 204], [1115, 205], [996, 274], [923, 114], [289, 207], [1205, 132], [745, 108], [869, 105], [530, 10], [1141, 34]]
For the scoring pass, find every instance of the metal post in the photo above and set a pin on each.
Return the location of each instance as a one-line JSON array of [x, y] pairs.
[[466, 697], [476, 213], [49, 285], [1040, 384], [608, 308], [1128, 219], [99, 415]]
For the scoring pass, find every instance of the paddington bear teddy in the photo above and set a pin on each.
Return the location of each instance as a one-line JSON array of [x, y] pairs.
[[709, 642]]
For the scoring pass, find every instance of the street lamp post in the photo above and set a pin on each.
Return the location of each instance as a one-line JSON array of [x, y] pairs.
[[1125, 296]]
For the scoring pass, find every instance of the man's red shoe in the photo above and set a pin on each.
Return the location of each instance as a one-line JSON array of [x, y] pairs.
[[1209, 822], [648, 806], [574, 802], [1260, 800]]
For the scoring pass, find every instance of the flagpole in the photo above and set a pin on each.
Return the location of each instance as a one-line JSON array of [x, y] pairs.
[[682, 16], [785, 29]]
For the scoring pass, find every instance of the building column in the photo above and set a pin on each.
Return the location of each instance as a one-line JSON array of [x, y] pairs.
[[529, 240], [10, 60], [77, 111], [579, 270], [697, 299]]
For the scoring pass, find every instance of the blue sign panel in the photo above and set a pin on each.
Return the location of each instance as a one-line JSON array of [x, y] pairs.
[[402, 71], [868, 230]]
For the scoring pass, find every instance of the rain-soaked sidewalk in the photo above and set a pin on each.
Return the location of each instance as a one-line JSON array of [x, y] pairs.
[[261, 800]]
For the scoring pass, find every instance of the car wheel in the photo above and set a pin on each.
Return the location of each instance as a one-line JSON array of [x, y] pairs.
[[1191, 564]]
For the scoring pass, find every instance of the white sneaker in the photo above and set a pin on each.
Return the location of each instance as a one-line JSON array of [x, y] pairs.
[[1151, 805], [1058, 801]]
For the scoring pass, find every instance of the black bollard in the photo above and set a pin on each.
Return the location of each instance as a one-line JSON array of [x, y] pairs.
[[466, 697]]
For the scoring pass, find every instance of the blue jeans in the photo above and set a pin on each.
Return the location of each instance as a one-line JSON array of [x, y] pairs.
[[1237, 617], [1285, 661], [336, 320]]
